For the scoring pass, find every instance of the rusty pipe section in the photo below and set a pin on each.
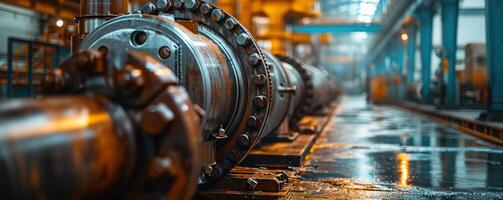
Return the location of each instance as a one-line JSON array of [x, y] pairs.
[[127, 130], [103, 8], [95, 12], [298, 90], [52, 148], [322, 88], [315, 92]]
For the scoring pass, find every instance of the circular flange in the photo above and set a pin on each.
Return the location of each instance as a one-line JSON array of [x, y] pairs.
[[308, 82], [257, 75]]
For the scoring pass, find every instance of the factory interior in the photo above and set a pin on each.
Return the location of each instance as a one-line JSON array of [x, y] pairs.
[[251, 99]]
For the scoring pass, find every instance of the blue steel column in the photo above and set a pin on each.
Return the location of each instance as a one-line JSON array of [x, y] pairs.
[[494, 33], [411, 52], [399, 57], [426, 30], [450, 10], [399, 60]]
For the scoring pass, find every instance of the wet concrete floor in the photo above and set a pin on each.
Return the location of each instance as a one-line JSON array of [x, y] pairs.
[[382, 152]]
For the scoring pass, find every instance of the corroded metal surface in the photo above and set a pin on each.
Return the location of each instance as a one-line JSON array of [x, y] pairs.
[[218, 62], [125, 129], [318, 91]]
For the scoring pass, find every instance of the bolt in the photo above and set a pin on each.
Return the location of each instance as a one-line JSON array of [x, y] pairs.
[[178, 3], [230, 23], [252, 183], [243, 39], [191, 4], [208, 170], [259, 101], [148, 8], [221, 132], [163, 4], [217, 171], [282, 177], [254, 122], [244, 140], [217, 15], [254, 59], [130, 80], [205, 8], [259, 79], [164, 52], [156, 118], [233, 156]]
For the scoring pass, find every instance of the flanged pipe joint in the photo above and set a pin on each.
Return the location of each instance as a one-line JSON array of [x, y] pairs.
[[245, 92]]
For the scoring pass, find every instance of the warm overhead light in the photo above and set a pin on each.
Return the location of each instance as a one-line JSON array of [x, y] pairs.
[[404, 36], [60, 23]]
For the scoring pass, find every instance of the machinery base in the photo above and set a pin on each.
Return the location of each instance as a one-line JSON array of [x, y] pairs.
[[264, 173], [249, 183], [281, 137], [281, 154], [284, 154]]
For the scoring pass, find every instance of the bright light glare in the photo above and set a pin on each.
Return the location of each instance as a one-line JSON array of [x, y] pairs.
[[367, 8], [360, 35], [60, 23], [404, 36]]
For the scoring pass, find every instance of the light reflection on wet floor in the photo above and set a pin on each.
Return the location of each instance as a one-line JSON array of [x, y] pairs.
[[397, 154]]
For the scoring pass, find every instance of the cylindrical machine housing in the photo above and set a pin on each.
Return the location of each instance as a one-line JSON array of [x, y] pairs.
[[220, 66], [320, 89]]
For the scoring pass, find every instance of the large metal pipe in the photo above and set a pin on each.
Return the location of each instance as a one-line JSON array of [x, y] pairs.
[[52, 148], [321, 88], [103, 8], [289, 92], [95, 12], [246, 93]]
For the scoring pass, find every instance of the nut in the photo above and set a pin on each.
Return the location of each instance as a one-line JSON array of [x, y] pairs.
[[252, 183], [243, 39], [148, 8], [254, 59], [129, 80], [191, 4], [259, 79], [217, 15], [230, 23], [244, 140], [156, 118], [205, 8]]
